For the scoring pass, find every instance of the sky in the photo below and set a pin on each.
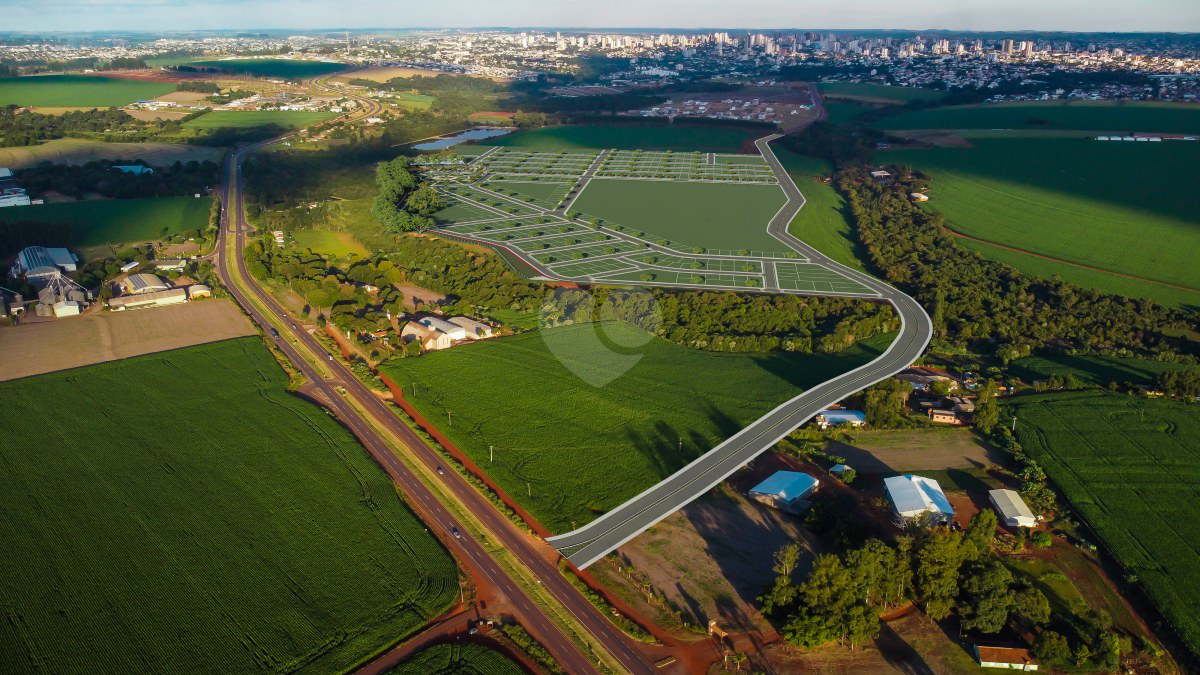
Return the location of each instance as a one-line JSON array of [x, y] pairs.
[[967, 15]]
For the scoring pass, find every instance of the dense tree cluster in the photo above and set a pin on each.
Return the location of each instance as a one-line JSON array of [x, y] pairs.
[[29, 128], [100, 177], [403, 202], [988, 305], [1184, 383], [199, 86]]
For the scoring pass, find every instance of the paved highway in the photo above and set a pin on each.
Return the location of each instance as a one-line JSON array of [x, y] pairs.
[[469, 552], [598, 538]]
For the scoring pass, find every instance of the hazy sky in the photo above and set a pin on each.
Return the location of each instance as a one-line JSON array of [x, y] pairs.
[[981, 15]]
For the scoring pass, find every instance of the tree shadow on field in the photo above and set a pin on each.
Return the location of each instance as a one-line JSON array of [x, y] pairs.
[[804, 371], [899, 653]]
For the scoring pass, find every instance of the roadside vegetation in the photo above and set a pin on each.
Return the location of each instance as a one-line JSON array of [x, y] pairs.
[[458, 659]]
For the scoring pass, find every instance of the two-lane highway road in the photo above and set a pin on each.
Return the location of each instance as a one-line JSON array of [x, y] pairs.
[[603, 535], [431, 510]]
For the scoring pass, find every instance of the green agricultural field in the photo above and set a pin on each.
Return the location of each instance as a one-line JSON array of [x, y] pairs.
[[62, 91], [557, 438], [461, 658], [336, 244], [722, 216], [879, 93], [1092, 115], [242, 119], [287, 69], [634, 137], [1129, 208], [838, 112], [413, 101], [1098, 371], [119, 221], [182, 512], [1131, 468], [823, 223]]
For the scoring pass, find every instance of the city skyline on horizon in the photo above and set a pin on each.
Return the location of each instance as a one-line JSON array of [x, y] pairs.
[[1070, 16]]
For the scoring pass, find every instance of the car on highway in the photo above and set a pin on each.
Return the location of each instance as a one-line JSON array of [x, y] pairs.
[[329, 356], [274, 333], [440, 472], [454, 531]]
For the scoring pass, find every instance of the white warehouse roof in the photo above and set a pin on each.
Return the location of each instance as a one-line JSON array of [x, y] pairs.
[[1012, 508], [455, 332], [915, 495]]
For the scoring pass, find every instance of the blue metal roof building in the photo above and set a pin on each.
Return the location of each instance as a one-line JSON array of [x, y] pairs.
[[786, 490], [913, 496]]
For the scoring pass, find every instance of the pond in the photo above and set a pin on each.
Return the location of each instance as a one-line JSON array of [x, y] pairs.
[[476, 134]]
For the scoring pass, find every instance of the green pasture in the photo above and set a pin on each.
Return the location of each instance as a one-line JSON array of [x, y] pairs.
[[243, 119], [723, 216], [845, 112], [570, 446], [634, 137], [879, 93], [183, 512], [1129, 467], [1128, 208], [64, 91], [116, 221], [287, 69], [1094, 370], [336, 244], [1121, 116], [824, 222]]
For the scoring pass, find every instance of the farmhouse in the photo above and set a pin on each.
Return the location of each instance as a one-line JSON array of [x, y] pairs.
[[1012, 509], [1008, 658], [914, 496], [943, 416], [430, 339], [38, 264], [786, 490], [836, 418], [455, 331]]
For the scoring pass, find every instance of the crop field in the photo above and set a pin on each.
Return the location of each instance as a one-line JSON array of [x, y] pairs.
[[706, 215], [460, 658], [336, 244], [79, 151], [844, 112], [1098, 371], [287, 69], [412, 101], [60, 91], [1129, 116], [635, 137], [114, 221], [190, 515], [557, 437], [244, 119], [1061, 197], [879, 93], [824, 222], [1130, 468]]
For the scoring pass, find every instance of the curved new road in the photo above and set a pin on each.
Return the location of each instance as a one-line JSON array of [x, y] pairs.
[[603, 535]]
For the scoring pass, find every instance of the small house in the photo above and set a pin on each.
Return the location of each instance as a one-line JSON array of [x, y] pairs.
[[1006, 658], [786, 490], [1012, 509], [835, 418], [943, 416], [917, 497]]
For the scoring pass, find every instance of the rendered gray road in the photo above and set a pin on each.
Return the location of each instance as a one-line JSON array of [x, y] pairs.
[[588, 544]]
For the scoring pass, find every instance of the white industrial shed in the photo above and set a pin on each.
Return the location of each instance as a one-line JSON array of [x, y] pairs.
[[38, 264], [915, 496], [454, 331], [1012, 509]]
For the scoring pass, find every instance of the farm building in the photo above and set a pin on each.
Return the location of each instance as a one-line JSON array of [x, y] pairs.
[[476, 330], [786, 490], [839, 470], [135, 169], [914, 496], [1008, 658], [137, 284], [431, 339], [38, 264], [171, 296], [1012, 509], [199, 291], [837, 418], [455, 331], [943, 416]]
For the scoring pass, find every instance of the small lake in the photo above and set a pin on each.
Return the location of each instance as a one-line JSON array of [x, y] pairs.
[[462, 137]]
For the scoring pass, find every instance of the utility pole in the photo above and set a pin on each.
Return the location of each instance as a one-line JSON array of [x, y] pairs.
[[449, 420], [491, 454], [528, 489], [1014, 427]]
